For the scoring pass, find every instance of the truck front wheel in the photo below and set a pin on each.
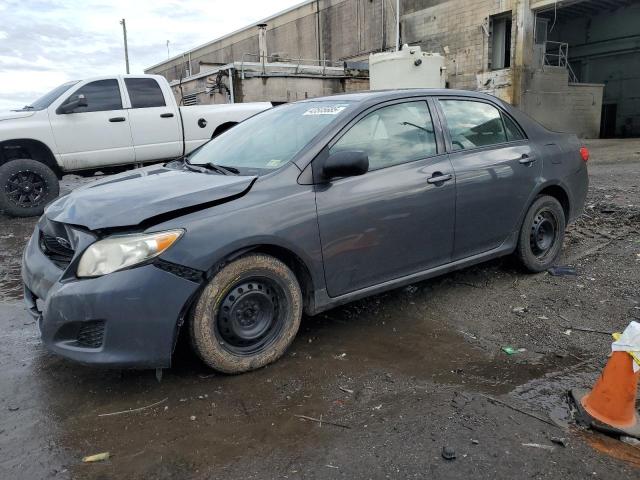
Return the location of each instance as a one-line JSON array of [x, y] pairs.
[[26, 186]]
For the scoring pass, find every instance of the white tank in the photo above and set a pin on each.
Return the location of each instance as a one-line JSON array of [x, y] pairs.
[[407, 68]]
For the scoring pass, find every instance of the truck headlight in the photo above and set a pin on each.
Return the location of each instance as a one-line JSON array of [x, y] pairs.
[[122, 251]]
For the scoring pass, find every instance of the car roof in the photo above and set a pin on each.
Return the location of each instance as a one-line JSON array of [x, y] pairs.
[[382, 95]]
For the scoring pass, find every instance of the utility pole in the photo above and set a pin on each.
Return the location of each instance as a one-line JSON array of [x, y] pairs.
[[126, 48], [397, 25], [168, 56]]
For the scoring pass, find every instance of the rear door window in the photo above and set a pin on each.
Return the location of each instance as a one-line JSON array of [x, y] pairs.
[[144, 93], [101, 95], [473, 124], [392, 135], [513, 131]]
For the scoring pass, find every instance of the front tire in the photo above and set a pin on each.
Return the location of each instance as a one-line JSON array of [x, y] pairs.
[[541, 234], [248, 315], [26, 187]]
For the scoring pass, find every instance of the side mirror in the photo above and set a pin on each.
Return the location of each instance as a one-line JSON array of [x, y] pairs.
[[73, 102], [346, 164]]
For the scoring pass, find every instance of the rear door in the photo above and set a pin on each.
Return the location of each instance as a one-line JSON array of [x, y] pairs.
[[496, 170], [155, 127], [95, 135], [394, 220]]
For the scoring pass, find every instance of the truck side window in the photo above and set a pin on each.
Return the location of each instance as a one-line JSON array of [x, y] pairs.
[[144, 93], [101, 95]]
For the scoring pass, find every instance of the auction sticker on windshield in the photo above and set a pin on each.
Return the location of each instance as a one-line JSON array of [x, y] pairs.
[[329, 110]]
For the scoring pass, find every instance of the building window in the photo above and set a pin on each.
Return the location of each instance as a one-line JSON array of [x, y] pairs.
[[500, 41]]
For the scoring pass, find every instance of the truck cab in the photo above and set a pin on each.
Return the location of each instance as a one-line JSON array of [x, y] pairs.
[[102, 123]]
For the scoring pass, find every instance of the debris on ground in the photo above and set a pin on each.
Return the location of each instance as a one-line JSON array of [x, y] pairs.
[[13, 408], [346, 390], [98, 457], [538, 445], [321, 421], [131, 410], [559, 441], [519, 310], [513, 350], [448, 453], [562, 271]]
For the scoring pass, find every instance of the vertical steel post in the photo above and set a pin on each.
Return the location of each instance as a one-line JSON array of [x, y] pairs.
[[126, 48]]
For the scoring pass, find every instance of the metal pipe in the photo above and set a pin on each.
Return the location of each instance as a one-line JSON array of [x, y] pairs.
[[231, 95]]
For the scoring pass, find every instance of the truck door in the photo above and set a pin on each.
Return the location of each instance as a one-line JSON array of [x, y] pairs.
[[97, 134], [155, 126]]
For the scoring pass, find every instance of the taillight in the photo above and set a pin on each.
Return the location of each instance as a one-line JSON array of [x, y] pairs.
[[584, 153]]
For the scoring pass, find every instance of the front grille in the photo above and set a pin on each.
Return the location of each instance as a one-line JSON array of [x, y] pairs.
[[52, 246], [91, 334]]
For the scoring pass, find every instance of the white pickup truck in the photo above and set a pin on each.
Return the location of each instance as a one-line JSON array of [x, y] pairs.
[[102, 123]]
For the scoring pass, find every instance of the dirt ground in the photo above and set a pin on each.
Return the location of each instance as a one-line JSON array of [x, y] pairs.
[[393, 378]]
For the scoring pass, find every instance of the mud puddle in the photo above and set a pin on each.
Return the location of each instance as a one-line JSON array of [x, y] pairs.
[[338, 364]]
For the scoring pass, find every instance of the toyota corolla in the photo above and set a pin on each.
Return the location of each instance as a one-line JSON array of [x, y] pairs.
[[298, 209]]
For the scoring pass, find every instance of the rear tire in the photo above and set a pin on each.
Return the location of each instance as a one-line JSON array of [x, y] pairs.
[[541, 234], [248, 315], [26, 187]]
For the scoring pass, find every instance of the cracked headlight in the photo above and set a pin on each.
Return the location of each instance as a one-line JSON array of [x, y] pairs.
[[123, 251]]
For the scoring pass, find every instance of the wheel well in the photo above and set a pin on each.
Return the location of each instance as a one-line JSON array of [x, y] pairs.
[[27, 148], [290, 259], [559, 194], [223, 127]]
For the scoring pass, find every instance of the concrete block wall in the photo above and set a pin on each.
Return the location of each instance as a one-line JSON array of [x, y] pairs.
[[569, 107], [456, 26]]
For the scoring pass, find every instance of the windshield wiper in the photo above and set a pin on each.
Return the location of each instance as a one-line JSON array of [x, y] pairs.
[[27, 107], [233, 170], [221, 169]]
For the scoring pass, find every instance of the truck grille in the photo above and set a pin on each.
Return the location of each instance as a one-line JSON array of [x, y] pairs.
[[91, 334], [58, 249]]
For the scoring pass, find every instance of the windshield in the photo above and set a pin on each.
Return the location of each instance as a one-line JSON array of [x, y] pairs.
[[48, 98], [269, 140]]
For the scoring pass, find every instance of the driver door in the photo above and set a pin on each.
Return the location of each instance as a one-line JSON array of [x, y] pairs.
[[96, 135], [394, 220]]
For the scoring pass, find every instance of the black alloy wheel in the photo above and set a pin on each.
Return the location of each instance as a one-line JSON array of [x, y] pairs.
[[26, 189]]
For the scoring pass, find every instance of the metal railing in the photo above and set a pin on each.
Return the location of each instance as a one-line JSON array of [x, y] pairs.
[[556, 54], [298, 61]]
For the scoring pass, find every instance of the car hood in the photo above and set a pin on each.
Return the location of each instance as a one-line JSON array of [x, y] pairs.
[[130, 198], [13, 115]]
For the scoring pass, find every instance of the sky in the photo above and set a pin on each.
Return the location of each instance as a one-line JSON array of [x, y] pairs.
[[44, 43]]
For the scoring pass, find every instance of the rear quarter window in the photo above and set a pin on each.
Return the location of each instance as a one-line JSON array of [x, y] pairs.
[[144, 93]]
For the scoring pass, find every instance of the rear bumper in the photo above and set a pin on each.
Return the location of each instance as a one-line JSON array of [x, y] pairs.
[[578, 187], [126, 319]]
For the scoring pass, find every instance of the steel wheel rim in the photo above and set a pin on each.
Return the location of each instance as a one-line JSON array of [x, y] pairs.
[[251, 316], [26, 189], [543, 234]]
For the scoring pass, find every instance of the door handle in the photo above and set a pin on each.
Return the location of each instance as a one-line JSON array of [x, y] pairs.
[[166, 115], [526, 159], [117, 119], [439, 178]]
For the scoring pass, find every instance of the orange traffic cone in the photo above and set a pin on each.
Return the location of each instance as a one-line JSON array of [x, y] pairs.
[[611, 404]]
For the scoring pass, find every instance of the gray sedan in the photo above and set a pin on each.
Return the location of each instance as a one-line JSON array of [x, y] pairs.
[[300, 208]]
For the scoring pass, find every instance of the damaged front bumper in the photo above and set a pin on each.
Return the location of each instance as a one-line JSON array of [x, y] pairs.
[[126, 319]]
